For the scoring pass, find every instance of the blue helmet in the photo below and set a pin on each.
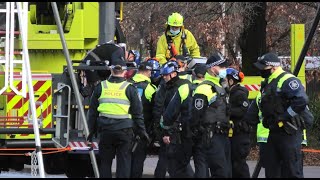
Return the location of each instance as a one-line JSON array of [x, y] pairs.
[[136, 56], [156, 67], [169, 67], [235, 74]]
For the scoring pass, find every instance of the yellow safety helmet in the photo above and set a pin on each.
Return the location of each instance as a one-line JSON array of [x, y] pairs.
[[175, 19]]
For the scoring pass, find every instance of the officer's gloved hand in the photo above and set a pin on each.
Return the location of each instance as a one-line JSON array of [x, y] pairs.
[[284, 117], [156, 131], [89, 139], [144, 135], [90, 136]]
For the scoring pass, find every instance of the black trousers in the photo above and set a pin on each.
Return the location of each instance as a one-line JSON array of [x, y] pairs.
[[284, 155], [162, 164], [218, 155], [240, 149], [179, 159], [138, 158], [199, 159], [263, 148], [115, 143]]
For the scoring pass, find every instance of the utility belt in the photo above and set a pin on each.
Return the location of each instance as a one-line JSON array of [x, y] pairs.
[[218, 128], [241, 127], [174, 131], [222, 128]]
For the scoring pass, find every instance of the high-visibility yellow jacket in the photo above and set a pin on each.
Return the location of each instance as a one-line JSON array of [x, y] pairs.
[[262, 132], [113, 102], [162, 46]]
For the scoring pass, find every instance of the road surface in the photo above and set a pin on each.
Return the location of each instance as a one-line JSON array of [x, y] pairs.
[[150, 164]]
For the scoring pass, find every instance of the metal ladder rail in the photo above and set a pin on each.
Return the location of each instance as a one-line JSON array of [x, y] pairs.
[[21, 15], [23, 92], [6, 55], [59, 116]]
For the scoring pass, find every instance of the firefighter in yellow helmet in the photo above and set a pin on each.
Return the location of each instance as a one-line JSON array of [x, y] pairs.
[[176, 40]]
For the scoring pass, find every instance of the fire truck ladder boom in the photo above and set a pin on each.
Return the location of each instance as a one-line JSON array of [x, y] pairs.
[[74, 83]]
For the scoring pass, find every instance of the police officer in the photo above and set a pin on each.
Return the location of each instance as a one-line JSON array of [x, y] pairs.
[[282, 100], [182, 62], [165, 92], [133, 59], [176, 121], [155, 73], [199, 159], [198, 75], [210, 115], [240, 137], [253, 114], [115, 108], [176, 40], [146, 91]]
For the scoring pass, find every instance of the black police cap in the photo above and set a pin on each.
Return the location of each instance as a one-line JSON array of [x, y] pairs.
[[269, 59]]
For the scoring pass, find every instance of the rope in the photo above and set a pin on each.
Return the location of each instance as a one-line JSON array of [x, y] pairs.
[[23, 149], [311, 150], [52, 151]]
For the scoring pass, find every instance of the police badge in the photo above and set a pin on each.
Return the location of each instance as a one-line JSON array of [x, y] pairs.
[[294, 84], [199, 104]]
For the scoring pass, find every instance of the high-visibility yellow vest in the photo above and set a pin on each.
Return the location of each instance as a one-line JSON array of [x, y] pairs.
[[186, 76], [113, 102], [262, 132]]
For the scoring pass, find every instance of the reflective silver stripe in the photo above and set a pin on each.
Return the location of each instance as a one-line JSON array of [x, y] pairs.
[[304, 142], [291, 111], [104, 84], [124, 84], [262, 139], [112, 100], [189, 77], [114, 116]]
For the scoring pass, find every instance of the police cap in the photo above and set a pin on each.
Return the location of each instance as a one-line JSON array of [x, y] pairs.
[[200, 69], [269, 59], [216, 60], [118, 64]]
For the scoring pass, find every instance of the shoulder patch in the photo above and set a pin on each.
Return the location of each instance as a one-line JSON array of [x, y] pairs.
[[245, 104], [294, 84], [198, 104]]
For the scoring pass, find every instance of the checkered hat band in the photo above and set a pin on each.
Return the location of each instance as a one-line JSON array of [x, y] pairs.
[[272, 63], [216, 63]]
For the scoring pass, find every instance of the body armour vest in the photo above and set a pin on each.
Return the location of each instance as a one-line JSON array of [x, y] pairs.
[[272, 104], [113, 102], [217, 110]]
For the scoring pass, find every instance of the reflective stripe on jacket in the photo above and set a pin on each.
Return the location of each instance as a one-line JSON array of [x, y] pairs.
[[186, 76], [191, 43]]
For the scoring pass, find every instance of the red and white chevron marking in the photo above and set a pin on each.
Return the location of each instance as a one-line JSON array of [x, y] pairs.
[[77, 145], [252, 87]]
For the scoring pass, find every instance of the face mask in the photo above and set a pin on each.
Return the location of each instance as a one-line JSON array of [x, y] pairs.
[[175, 32], [265, 73], [223, 73]]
